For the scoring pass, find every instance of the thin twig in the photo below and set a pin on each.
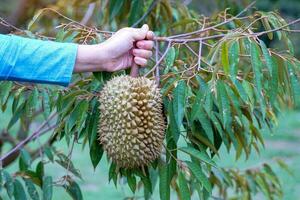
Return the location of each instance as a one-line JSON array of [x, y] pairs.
[[5, 23], [160, 60], [157, 74], [215, 26], [29, 138], [71, 20], [277, 29], [199, 55]]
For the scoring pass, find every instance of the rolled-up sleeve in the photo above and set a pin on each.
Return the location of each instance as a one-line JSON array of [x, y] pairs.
[[29, 60]]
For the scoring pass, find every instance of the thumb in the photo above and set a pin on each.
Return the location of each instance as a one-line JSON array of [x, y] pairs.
[[141, 33]]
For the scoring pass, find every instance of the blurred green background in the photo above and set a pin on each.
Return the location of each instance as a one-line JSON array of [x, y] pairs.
[[283, 142]]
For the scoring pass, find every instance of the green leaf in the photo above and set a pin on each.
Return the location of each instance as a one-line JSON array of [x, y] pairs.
[[224, 105], [274, 84], [25, 156], [199, 175], [112, 174], [49, 154], [218, 126], [40, 170], [19, 192], [5, 88], [79, 111], [257, 65], [267, 27], [102, 77], [224, 57], [136, 12], [34, 177], [164, 186], [284, 166], [73, 190], [32, 102], [202, 156], [114, 8], [32, 191], [295, 85], [263, 185], [234, 59], [96, 153], [205, 123], [16, 116], [16, 100], [267, 56], [170, 158], [131, 182], [9, 184], [93, 123], [175, 132], [179, 102], [290, 46], [1, 178], [170, 59], [199, 101], [183, 187], [46, 103], [47, 188], [276, 24], [147, 184], [271, 174]]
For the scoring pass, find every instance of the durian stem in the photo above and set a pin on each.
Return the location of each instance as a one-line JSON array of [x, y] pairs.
[[134, 70]]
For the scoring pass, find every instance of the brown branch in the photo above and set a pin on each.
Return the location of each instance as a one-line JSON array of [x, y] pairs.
[[35, 134]]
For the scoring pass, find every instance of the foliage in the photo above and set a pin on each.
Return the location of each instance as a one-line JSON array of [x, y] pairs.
[[220, 83]]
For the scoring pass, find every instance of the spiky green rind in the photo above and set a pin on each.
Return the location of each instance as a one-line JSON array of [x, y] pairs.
[[132, 126]]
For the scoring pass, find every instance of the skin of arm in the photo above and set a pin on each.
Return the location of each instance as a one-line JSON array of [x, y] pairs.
[[125, 47]]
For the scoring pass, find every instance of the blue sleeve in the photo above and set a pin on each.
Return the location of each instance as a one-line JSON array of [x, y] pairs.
[[37, 61]]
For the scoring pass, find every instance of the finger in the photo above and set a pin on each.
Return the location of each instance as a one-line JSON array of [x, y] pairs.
[[150, 35], [140, 61], [140, 33], [142, 53], [145, 44]]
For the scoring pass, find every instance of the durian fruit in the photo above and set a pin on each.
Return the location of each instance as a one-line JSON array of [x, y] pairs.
[[132, 126]]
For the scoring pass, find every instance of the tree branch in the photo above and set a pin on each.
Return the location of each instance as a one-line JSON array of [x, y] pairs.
[[35, 134], [215, 26]]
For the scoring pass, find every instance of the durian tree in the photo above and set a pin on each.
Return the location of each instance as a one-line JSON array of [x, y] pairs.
[[213, 80]]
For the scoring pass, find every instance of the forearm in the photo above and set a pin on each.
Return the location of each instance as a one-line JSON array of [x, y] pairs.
[[89, 58], [23, 59]]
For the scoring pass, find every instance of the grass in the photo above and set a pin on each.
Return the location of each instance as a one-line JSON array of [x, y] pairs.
[[283, 143]]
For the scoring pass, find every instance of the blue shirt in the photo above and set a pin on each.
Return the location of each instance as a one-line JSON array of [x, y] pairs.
[[29, 60]]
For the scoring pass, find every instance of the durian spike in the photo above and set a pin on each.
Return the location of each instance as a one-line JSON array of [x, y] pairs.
[[134, 70]]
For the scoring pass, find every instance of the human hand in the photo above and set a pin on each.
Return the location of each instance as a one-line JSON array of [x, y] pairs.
[[122, 50]]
